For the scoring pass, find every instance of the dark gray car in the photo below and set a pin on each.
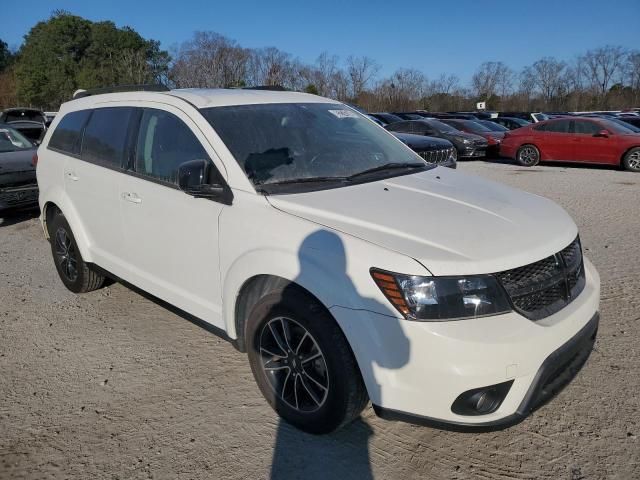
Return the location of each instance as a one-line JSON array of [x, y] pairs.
[[468, 145], [18, 186]]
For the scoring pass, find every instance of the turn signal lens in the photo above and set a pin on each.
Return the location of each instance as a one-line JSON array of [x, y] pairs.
[[387, 283], [34, 160]]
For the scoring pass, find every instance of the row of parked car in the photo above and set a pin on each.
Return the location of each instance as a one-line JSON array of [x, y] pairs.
[[608, 138]]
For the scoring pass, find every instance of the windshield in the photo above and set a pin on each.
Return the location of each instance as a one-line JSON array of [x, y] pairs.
[[476, 127], [496, 127], [11, 140], [616, 126], [22, 115], [443, 127], [305, 142]]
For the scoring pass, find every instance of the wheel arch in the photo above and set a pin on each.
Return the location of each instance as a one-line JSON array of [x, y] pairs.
[[62, 205], [255, 288], [625, 152]]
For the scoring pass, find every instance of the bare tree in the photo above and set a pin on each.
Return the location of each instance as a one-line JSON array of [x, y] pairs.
[[360, 70], [270, 66], [319, 75], [209, 60], [548, 76], [445, 84], [632, 70], [492, 78], [603, 66]]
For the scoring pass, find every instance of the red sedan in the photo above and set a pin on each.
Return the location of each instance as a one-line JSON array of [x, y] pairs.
[[584, 140]]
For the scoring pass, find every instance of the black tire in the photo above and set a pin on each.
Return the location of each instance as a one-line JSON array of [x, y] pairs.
[[631, 160], [528, 155], [73, 271], [345, 396]]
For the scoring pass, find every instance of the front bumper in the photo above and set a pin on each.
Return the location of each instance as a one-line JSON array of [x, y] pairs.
[[555, 373], [17, 197], [415, 370]]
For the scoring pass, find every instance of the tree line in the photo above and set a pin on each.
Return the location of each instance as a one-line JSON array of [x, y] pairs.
[[67, 52]]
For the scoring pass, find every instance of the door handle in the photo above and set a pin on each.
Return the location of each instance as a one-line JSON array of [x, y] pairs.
[[72, 176], [131, 197]]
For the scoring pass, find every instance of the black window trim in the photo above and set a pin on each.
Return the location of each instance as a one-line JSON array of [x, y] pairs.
[[105, 164], [132, 149], [127, 162], [78, 143], [572, 127]]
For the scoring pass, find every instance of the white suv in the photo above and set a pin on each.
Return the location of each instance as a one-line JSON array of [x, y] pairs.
[[345, 265]]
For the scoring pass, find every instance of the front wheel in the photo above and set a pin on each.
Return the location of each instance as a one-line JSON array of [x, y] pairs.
[[303, 364], [73, 271], [631, 160], [528, 156]]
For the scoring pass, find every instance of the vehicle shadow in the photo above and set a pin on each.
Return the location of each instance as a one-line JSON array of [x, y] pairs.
[[12, 218], [343, 454], [570, 165]]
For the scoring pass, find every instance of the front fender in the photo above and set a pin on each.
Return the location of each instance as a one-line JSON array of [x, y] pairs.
[[57, 195], [301, 269]]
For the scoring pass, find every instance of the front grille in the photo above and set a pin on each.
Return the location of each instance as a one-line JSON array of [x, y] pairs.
[[436, 156], [542, 288]]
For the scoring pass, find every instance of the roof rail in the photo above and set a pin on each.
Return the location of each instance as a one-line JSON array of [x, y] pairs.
[[275, 88], [120, 88]]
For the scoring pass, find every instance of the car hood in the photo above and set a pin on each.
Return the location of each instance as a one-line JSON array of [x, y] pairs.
[[422, 142], [469, 136], [450, 222]]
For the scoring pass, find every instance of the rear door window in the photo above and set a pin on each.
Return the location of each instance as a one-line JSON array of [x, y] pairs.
[[561, 126], [402, 127], [105, 137], [585, 127], [164, 143], [67, 135]]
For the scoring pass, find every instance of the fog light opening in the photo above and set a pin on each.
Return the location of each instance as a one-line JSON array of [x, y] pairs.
[[481, 401]]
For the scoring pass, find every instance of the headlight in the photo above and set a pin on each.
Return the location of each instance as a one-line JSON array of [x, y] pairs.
[[442, 298]]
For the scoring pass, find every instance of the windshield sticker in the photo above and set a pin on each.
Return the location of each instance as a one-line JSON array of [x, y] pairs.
[[344, 113]]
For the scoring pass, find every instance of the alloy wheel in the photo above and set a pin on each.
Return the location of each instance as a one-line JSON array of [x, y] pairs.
[[634, 160], [293, 364], [528, 155], [66, 253]]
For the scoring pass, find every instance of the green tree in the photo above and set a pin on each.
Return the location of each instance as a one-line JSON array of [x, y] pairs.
[[68, 52], [311, 88], [6, 57]]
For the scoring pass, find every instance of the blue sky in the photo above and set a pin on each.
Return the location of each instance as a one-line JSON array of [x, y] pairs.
[[432, 36]]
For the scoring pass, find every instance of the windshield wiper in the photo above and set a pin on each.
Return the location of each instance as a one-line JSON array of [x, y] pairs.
[[289, 181], [386, 166]]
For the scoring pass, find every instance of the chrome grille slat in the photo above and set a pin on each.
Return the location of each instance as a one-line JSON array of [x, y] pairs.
[[436, 156]]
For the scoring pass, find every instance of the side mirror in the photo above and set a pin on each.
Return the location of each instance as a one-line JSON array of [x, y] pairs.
[[193, 179], [602, 133]]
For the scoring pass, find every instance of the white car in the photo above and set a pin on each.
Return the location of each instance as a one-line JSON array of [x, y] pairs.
[[347, 267]]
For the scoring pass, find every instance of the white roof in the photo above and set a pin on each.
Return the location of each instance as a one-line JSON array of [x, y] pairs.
[[218, 97]]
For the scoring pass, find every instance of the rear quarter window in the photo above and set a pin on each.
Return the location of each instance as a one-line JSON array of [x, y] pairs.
[[66, 136]]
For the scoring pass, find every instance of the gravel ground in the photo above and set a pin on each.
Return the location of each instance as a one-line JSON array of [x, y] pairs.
[[112, 385]]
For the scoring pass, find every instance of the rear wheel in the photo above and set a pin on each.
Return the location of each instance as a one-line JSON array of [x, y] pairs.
[[631, 160], [528, 156], [73, 271], [303, 363]]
